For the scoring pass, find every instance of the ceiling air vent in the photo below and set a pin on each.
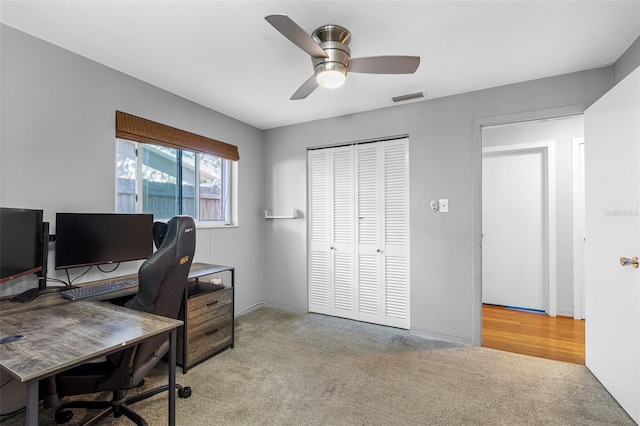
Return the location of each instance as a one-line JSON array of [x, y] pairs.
[[410, 96]]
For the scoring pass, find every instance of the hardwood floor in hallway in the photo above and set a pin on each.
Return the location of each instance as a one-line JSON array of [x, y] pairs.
[[528, 333]]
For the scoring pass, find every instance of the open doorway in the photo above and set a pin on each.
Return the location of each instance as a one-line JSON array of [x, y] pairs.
[[530, 290]]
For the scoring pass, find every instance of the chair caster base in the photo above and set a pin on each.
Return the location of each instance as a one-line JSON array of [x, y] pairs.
[[185, 392], [63, 416]]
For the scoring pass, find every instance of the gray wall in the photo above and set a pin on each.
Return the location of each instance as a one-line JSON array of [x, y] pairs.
[[629, 61], [442, 155], [58, 149], [562, 131]]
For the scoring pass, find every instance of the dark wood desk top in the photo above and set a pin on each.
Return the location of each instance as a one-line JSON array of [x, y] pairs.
[[7, 307], [63, 336], [199, 269]]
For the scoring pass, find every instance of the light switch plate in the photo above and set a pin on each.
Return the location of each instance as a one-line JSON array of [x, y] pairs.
[[443, 205]]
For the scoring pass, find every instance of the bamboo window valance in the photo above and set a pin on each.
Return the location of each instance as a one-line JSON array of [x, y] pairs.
[[142, 130]]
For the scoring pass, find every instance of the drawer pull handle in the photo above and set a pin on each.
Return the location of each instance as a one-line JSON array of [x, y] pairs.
[[210, 332], [212, 303]]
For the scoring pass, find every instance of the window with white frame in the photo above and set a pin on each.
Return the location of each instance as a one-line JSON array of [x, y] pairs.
[[167, 182], [167, 171]]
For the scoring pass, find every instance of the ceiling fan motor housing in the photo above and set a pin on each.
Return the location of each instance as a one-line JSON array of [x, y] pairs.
[[334, 39]]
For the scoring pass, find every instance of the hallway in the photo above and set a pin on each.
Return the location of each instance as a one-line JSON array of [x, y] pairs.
[[558, 338]]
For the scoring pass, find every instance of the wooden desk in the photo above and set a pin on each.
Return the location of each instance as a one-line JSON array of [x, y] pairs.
[[61, 337], [208, 315], [7, 307]]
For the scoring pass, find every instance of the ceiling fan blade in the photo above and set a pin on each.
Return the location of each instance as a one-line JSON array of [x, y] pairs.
[[305, 90], [297, 35], [385, 64]]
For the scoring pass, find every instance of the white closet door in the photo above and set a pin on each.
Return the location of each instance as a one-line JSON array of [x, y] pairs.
[[342, 209], [319, 246], [395, 223], [369, 284], [359, 232], [331, 276]]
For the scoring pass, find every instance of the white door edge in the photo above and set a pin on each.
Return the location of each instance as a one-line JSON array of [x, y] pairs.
[[577, 171]]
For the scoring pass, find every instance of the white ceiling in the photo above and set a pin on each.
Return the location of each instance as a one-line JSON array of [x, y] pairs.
[[224, 55]]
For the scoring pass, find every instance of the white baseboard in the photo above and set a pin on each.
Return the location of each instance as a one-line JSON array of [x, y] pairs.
[[249, 309], [441, 336], [280, 306], [287, 307], [565, 313]]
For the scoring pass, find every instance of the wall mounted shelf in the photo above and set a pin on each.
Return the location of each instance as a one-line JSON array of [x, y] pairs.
[[268, 215]]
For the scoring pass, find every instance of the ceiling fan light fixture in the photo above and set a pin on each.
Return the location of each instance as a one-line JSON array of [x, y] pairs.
[[330, 79], [331, 75], [328, 47]]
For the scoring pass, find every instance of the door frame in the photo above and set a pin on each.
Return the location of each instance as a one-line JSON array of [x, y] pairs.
[[549, 245], [578, 209], [476, 191]]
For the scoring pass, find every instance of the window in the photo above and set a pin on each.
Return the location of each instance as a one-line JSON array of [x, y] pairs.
[[168, 181], [167, 171]]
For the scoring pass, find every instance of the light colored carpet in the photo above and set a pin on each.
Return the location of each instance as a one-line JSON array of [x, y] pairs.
[[296, 369]]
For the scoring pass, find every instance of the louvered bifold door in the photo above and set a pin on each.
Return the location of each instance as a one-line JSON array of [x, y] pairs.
[[369, 284], [359, 232], [319, 270], [342, 231], [395, 232]]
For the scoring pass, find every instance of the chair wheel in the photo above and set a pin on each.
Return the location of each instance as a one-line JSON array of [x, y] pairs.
[[63, 416], [185, 392]]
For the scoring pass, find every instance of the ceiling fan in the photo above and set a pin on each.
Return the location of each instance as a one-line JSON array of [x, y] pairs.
[[328, 46]]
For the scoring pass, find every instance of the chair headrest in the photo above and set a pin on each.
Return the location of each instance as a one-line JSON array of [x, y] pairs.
[[159, 230], [177, 225]]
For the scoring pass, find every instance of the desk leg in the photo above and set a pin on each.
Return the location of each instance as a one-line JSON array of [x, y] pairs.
[[32, 402], [172, 377]]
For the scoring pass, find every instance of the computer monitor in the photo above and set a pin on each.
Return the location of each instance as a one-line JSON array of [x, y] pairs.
[[85, 239], [22, 243]]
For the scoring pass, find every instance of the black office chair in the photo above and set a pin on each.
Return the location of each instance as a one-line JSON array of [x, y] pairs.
[[161, 284]]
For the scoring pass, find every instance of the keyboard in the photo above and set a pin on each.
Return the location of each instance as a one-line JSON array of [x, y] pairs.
[[99, 289]]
